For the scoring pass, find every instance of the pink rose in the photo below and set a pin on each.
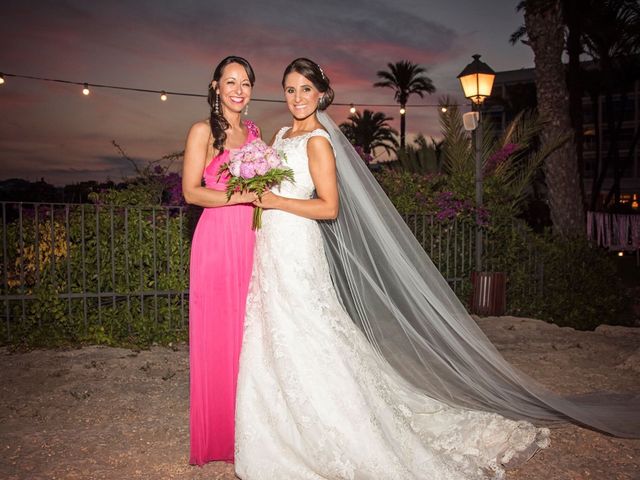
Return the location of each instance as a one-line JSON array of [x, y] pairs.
[[261, 167], [272, 159], [247, 170], [234, 168]]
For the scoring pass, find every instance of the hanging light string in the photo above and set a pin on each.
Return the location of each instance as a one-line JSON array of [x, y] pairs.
[[165, 93]]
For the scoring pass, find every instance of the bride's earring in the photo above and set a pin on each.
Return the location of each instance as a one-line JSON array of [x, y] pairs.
[[216, 107], [246, 109]]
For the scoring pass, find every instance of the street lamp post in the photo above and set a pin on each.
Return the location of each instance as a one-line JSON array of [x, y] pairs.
[[477, 82]]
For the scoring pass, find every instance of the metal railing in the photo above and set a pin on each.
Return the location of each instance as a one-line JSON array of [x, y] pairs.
[[451, 247], [125, 268], [92, 263]]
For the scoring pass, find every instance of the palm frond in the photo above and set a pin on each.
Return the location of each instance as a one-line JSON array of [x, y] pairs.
[[520, 35], [456, 148], [406, 79], [523, 176]]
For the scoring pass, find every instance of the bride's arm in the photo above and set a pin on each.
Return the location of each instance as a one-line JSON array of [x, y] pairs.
[[195, 158], [322, 166]]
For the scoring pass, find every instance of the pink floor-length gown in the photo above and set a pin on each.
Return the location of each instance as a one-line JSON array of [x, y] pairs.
[[220, 269]]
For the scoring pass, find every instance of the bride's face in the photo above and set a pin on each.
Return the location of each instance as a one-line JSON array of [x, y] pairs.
[[301, 95], [234, 88]]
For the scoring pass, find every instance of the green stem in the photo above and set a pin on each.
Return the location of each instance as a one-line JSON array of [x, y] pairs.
[[257, 218]]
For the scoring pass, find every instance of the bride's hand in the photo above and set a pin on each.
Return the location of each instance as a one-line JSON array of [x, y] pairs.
[[269, 200]]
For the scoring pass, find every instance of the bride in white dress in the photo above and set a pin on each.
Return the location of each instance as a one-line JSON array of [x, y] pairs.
[[329, 390], [314, 399]]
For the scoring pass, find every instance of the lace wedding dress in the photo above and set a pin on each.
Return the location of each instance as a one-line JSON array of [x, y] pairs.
[[316, 401]]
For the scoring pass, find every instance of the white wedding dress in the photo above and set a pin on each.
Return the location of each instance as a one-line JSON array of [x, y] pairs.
[[316, 401]]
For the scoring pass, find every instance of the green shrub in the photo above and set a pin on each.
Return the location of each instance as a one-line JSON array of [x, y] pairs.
[[581, 286], [568, 282], [94, 249]]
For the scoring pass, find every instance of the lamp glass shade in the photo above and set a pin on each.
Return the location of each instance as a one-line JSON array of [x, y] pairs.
[[477, 86], [477, 80]]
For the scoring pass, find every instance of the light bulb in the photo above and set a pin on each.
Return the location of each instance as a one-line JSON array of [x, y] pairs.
[[1, 79], [403, 111], [163, 96], [352, 109], [86, 90], [443, 109], [621, 254]]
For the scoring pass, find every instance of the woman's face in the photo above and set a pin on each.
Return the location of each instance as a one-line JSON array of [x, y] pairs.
[[234, 88], [301, 95]]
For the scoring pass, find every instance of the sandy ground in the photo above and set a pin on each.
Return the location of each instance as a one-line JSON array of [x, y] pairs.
[[110, 413]]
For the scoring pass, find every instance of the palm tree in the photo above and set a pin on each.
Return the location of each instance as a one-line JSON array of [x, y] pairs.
[[370, 130], [608, 31], [510, 176], [545, 29], [574, 15], [405, 78]]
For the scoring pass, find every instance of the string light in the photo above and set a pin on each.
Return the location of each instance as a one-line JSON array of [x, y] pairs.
[[163, 96], [166, 93], [443, 109], [403, 110]]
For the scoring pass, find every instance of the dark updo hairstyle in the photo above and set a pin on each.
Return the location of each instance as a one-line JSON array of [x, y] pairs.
[[217, 121], [312, 72]]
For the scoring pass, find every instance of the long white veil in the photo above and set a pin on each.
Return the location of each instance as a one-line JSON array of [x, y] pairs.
[[410, 315]]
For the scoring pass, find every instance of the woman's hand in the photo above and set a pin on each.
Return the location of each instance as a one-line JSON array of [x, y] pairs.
[[269, 200], [244, 197]]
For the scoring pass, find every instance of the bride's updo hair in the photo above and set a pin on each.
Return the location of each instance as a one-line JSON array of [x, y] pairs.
[[312, 72], [216, 119]]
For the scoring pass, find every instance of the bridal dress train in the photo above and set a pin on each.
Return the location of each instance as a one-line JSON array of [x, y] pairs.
[[317, 400]]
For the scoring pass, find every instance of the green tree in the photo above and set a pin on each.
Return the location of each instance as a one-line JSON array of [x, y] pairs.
[[407, 79], [422, 156], [510, 162], [370, 130]]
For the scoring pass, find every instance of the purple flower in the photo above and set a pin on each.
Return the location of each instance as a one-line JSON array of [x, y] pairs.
[[500, 156], [261, 167], [366, 157], [273, 160], [483, 217], [254, 158], [247, 170]]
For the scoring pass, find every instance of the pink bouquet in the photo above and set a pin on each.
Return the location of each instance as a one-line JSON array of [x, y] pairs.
[[254, 168]]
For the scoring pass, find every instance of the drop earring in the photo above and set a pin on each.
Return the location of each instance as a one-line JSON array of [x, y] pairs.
[[246, 109], [216, 107]]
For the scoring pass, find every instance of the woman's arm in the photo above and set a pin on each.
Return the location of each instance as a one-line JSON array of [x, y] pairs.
[[195, 158], [322, 166]]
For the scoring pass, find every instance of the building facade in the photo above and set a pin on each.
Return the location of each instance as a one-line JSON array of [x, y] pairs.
[[515, 91]]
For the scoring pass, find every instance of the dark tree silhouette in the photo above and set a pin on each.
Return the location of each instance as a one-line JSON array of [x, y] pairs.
[[370, 130], [406, 79]]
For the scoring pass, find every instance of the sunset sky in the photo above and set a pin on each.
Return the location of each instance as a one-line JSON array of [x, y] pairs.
[[53, 131]]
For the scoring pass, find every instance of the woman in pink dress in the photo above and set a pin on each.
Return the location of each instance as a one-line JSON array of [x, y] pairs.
[[221, 262]]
